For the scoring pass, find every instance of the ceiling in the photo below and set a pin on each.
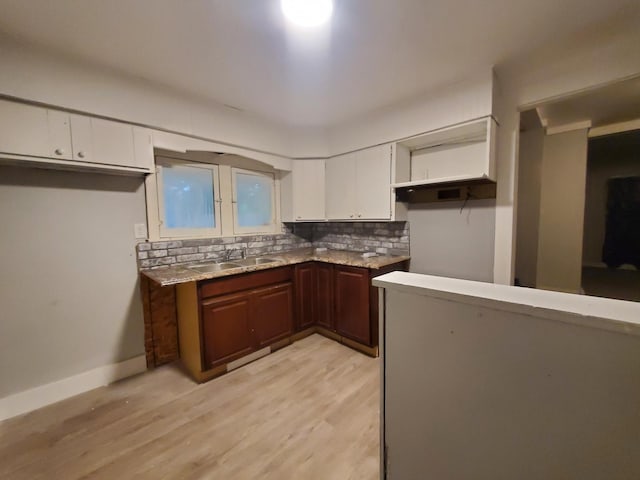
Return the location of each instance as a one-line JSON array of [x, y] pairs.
[[604, 106], [241, 53]]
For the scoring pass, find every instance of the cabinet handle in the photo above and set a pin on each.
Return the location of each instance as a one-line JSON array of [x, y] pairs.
[[359, 215], [59, 151], [351, 216], [81, 154]]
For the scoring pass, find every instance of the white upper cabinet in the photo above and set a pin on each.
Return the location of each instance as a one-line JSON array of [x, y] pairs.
[[373, 183], [26, 130], [341, 187], [359, 184], [59, 135], [302, 192], [111, 145], [308, 190], [36, 135], [82, 140], [453, 154], [143, 148]]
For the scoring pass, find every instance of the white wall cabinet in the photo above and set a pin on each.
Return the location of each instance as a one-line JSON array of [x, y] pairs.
[[452, 154], [303, 192], [308, 190], [373, 182], [46, 137], [27, 130], [359, 184], [110, 143], [341, 187]]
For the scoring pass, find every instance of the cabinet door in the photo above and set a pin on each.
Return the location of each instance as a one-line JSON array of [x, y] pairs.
[[34, 131], [102, 141], [373, 182], [341, 187], [308, 190], [143, 148], [351, 295], [112, 143], [324, 296], [272, 313], [82, 138], [23, 129], [306, 295], [226, 329]]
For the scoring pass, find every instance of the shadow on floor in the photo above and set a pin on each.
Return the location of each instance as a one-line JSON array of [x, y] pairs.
[[611, 283]]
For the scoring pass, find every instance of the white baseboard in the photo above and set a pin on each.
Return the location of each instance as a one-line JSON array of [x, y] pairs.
[[43, 395]]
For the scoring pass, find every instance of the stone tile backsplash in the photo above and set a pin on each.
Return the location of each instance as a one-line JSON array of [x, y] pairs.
[[379, 237]]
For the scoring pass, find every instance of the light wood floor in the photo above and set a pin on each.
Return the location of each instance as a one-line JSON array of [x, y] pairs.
[[308, 411]]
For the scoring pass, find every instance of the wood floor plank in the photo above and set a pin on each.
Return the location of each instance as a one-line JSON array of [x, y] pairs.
[[310, 410]]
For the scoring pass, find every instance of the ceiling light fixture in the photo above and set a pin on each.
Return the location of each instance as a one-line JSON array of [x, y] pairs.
[[307, 13]]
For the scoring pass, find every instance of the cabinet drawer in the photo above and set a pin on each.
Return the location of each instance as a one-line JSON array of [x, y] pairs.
[[245, 281]]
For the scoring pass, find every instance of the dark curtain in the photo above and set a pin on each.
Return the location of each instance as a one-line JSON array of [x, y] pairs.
[[622, 236]]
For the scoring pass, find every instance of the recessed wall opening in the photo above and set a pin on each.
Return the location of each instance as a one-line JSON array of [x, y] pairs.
[[611, 241], [578, 221]]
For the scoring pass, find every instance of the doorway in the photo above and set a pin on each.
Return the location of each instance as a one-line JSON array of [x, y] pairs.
[[611, 242], [578, 196]]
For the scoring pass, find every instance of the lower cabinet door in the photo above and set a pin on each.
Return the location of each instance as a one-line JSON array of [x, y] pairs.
[[226, 329], [305, 295], [351, 295], [324, 295], [272, 313]]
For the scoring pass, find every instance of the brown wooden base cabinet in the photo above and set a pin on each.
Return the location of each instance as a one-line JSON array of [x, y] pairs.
[[351, 304], [226, 329], [306, 286], [223, 320], [340, 301], [227, 319]]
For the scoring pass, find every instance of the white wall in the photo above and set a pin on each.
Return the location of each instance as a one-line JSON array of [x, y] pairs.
[[452, 241], [529, 176], [459, 102], [600, 55], [69, 284], [39, 76], [563, 177]]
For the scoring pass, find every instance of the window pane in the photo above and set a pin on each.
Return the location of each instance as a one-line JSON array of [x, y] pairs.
[[254, 195], [188, 197]]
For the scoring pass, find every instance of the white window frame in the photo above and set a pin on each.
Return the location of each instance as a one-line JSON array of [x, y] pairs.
[[169, 233], [272, 227]]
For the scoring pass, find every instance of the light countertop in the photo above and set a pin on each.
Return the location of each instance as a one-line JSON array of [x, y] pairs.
[[181, 273]]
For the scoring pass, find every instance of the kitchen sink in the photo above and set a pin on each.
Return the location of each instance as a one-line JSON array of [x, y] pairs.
[[214, 267], [257, 261]]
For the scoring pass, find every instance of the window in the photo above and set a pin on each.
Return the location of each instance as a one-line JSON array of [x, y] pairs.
[[188, 199], [188, 196], [253, 201]]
